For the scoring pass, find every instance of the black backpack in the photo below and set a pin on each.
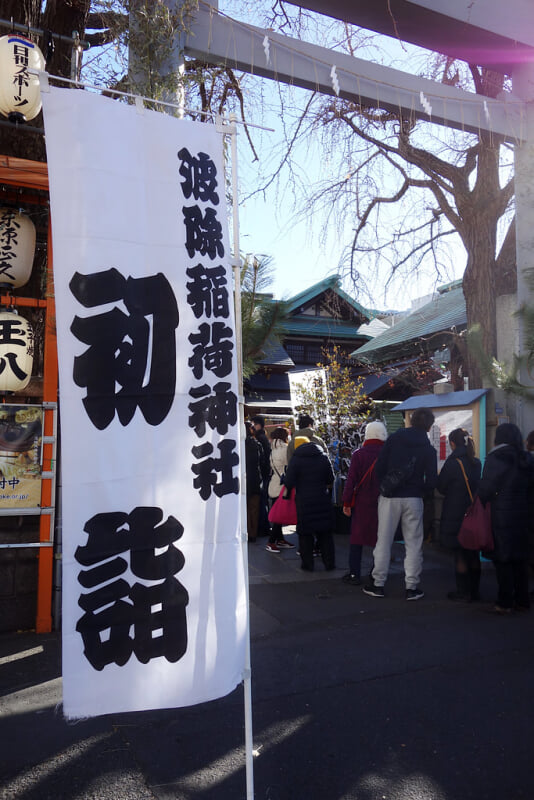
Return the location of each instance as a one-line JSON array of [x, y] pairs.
[[396, 478]]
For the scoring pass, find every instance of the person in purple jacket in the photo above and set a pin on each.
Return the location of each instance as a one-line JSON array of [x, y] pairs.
[[360, 498]]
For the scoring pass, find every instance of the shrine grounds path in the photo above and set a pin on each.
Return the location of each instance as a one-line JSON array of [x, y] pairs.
[[354, 698]]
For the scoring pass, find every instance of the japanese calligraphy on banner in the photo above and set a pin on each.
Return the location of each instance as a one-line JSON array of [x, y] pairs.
[[21, 429], [154, 606]]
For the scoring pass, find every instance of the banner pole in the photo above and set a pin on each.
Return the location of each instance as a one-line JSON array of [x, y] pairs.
[[247, 674]]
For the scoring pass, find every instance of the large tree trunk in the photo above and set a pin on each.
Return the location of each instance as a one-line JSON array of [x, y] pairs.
[[59, 16], [480, 215], [479, 292]]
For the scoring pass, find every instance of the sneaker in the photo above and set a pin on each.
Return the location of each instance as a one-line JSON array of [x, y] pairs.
[[373, 591], [352, 580], [272, 548], [414, 594], [316, 553], [283, 544]]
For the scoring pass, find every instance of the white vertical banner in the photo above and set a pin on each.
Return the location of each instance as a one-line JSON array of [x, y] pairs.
[[154, 600]]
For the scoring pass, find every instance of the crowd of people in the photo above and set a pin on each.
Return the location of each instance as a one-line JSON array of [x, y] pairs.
[[389, 480]]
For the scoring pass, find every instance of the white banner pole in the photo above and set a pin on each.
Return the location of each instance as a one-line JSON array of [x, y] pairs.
[[247, 674]]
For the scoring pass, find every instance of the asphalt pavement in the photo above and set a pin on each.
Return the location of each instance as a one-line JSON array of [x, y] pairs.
[[354, 698]]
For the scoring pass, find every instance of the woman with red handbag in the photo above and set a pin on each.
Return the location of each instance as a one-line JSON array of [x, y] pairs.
[[278, 461], [457, 482], [360, 498], [507, 479]]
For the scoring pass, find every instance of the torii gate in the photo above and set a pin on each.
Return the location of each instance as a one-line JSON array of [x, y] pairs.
[[489, 33]]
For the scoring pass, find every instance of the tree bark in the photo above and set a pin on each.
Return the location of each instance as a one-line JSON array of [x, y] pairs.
[[61, 17], [480, 213]]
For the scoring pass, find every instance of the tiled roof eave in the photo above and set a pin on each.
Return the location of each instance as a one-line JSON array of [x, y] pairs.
[[322, 330], [397, 350]]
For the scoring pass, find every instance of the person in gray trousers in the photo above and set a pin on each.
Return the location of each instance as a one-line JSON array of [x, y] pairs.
[[407, 471]]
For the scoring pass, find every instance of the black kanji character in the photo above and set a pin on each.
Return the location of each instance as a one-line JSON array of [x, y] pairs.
[[160, 608], [9, 233], [13, 333], [22, 75], [112, 533], [6, 256], [203, 232], [146, 537], [207, 292], [213, 350], [218, 410], [148, 609], [10, 329], [11, 359], [114, 621], [122, 345], [200, 176], [207, 470], [107, 536]]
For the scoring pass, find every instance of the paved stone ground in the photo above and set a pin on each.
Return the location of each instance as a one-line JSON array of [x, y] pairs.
[[354, 698]]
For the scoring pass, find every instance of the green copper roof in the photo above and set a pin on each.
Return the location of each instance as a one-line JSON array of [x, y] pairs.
[[443, 313], [322, 326], [333, 283]]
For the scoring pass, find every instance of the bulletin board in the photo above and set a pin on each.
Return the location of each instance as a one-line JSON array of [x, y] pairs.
[[452, 410], [21, 432]]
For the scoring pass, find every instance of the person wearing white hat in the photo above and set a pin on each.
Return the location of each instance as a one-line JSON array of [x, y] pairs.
[[360, 498]]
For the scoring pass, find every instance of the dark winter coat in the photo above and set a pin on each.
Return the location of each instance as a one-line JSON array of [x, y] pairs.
[[506, 480], [364, 519], [310, 473], [253, 464], [451, 484], [399, 448], [261, 438]]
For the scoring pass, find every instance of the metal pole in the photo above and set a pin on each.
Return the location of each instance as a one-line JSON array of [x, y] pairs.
[[247, 674], [27, 29]]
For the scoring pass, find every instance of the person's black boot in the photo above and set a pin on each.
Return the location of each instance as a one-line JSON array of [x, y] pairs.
[[474, 585], [462, 593]]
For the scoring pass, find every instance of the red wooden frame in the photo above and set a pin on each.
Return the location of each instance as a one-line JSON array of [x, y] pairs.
[[22, 173]]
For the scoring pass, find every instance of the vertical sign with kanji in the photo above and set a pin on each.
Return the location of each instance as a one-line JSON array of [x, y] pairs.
[[154, 606]]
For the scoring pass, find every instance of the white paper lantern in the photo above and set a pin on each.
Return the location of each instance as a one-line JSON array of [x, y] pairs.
[[16, 352], [17, 248], [20, 95]]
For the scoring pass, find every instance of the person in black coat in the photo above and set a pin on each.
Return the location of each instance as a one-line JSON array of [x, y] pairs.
[[453, 484], [253, 474], [310, 473], [259, 432], [507, 479], [409, 455]]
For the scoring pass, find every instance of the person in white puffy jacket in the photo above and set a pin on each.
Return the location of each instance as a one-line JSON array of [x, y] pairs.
[[278, 461]]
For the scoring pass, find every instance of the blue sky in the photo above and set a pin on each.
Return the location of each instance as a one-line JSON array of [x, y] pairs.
[[305, 249]]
